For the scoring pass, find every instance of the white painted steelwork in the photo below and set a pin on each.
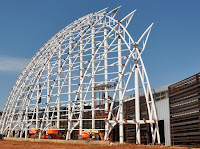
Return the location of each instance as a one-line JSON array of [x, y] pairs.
[[91, 62]]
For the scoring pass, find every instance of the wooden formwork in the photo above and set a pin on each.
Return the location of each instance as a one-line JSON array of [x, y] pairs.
[[184, 101]]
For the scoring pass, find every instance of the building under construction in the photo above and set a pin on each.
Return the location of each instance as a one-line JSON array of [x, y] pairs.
[[89, 80], [77, 82]]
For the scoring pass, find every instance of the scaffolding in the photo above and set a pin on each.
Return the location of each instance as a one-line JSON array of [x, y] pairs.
[[87, 67]]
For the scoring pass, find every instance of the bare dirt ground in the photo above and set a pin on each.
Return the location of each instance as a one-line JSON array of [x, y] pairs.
[[46, 145]]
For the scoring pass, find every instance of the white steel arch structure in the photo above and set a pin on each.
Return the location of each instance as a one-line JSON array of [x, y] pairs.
[[93, 62]]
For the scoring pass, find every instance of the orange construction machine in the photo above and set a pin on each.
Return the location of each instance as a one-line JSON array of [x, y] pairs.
[[50, 134], [91, 135], [33, 133], [54, 134]]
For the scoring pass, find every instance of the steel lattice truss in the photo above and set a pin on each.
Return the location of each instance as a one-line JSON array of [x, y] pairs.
[[91, 62]]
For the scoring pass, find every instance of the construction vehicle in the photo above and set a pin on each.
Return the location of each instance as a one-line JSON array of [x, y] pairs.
[[91, 135], [33, 133], [49, 134], [101, 136], [85, 135], [54, 134]]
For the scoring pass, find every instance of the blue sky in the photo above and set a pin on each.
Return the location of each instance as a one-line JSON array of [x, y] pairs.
[[172, 52]]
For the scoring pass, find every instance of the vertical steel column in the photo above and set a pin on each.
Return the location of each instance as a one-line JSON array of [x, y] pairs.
[[137, 102], [38, 98], [68, 136], [3, 118], [93, 79], [106, 67], [150, 113], [21, 132], [17, 134], [48, 92], [81, 86], [121, 129], [59, 81], [26, 133], [26, 117]]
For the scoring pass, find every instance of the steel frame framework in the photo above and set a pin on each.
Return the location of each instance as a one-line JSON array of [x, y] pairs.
[[95, 50]]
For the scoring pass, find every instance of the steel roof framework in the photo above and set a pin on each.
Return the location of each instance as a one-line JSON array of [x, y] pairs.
[[95, 50]]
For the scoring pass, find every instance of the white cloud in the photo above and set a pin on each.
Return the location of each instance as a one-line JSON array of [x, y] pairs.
[[12, 64]]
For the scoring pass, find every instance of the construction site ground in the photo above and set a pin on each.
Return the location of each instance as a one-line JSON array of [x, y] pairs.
[[13, 144]]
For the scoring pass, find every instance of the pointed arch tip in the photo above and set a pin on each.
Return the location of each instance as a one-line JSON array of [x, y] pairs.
[[149, 28], [152, 24], [129, 16], [103, 10], [115, 10], [146, 31]]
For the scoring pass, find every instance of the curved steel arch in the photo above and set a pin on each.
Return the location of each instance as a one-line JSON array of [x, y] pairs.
[[85, 64]]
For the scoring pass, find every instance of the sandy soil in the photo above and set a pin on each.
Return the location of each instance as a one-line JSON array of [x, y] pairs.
[[44, 145]]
